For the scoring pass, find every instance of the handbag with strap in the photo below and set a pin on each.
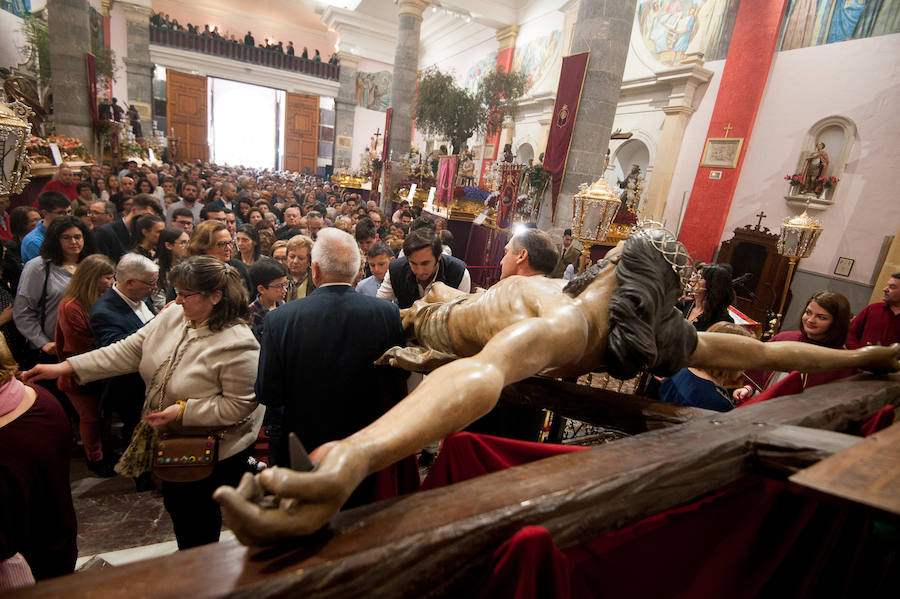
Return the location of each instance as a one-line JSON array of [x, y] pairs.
[[185, 458]]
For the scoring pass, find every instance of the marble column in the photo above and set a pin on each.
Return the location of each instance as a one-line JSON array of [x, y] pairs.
[[403, 89], [603, 27], [70, 40], [345, 109], [138, 68], [678, 112]]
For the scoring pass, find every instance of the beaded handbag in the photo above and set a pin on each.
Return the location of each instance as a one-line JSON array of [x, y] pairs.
[[185, 458]]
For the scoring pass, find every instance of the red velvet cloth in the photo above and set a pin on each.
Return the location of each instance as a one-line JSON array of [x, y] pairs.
[[527, 566], [754, 537], [467, 455]]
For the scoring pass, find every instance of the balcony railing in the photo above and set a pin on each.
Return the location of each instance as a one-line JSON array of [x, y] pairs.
[[239, 51]]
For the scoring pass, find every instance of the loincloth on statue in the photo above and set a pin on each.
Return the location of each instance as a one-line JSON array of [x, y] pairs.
[[432, 329]]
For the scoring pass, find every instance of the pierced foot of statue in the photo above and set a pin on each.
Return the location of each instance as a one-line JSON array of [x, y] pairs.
[[414, 358]]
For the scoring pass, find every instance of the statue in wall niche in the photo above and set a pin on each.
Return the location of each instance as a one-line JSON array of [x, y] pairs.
[[619, 317], [630, 197], [814, 169], [508, 153]]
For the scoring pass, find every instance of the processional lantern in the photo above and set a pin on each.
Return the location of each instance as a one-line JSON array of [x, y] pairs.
[[15, 166], [593, 211], [797, 240]]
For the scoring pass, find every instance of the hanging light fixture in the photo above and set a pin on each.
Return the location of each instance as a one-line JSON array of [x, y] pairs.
[[797, 240], [15, 166]]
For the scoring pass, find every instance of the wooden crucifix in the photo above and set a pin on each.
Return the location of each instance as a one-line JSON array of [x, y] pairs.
[[761, 216], [685, 453]]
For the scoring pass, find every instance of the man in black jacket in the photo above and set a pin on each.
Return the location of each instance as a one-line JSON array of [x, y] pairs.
[[423, 263], [316, 361]]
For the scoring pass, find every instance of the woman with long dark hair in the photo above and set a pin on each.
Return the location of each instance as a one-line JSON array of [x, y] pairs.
[[171, 249], [824, 321], [145, 231], [713, 294], [45, 278], [247, 240]]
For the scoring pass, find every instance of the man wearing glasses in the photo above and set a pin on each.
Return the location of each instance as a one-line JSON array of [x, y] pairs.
[[119, 312], [51, 204]]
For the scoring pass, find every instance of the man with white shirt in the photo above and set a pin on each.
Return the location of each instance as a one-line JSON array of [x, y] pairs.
[[119, 312], [423, 263]]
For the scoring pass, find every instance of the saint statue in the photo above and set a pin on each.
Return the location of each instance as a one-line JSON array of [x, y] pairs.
[[507, 153], [118, 112], [631, 189], [814, 168], [618, 317], [467, 171], [135, 120]]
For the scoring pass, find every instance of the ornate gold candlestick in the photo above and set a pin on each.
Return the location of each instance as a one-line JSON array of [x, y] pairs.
[[593, 211], [797, 240]]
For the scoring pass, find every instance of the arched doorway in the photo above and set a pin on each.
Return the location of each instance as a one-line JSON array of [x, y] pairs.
[[525, 154]]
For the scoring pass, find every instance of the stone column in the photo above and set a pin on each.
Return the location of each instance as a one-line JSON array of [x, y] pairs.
[[138, 68], [403, 92], [70, 40], [604, 28], [678, 113], [345, 108]]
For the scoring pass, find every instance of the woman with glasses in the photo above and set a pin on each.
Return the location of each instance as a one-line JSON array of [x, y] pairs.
[[45, 278], [171, 249], [94, 276], [198, 359], [211, 238]]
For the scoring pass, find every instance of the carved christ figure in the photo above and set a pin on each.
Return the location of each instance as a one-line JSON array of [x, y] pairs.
[[618, 317]]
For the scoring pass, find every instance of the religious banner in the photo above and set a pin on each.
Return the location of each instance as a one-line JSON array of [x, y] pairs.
[[510, 177], [568, 93], [92, 87], [446, 180]]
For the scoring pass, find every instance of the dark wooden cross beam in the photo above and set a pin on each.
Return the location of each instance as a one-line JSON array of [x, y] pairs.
[[423, 544]]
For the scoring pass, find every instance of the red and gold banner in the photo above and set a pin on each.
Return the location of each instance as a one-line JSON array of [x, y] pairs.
[[568, 94], [446, 180], [92, 86]]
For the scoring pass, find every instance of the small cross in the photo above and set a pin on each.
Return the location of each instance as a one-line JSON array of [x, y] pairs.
[[727, 129], [761, 216], [377, 135]]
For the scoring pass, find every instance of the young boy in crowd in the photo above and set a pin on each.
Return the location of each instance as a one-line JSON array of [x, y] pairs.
[[379, 257], [270, 279]]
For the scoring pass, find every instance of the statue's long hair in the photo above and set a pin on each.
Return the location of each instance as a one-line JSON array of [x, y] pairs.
[[646, 331]]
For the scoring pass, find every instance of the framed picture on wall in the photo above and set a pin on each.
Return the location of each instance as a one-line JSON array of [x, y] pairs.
[[489, 152], [476, 153], [844, 266], [345, 142], [722, 152]]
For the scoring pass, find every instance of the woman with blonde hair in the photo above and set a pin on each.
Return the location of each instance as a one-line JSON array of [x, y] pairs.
[[211, 238], [95, 275]]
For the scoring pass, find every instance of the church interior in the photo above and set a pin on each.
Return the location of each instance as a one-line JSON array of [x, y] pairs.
[[758, 133]]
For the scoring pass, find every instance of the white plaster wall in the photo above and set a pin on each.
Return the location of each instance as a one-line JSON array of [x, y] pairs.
[[859, 79], [118, 41], [11, 40], [692, 148]]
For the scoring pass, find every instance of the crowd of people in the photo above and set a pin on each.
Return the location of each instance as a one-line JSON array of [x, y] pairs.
[[167, 297], [160, 19]]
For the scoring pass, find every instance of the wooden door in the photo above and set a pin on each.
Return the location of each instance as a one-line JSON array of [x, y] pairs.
[[301, 132], [186, 114]]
